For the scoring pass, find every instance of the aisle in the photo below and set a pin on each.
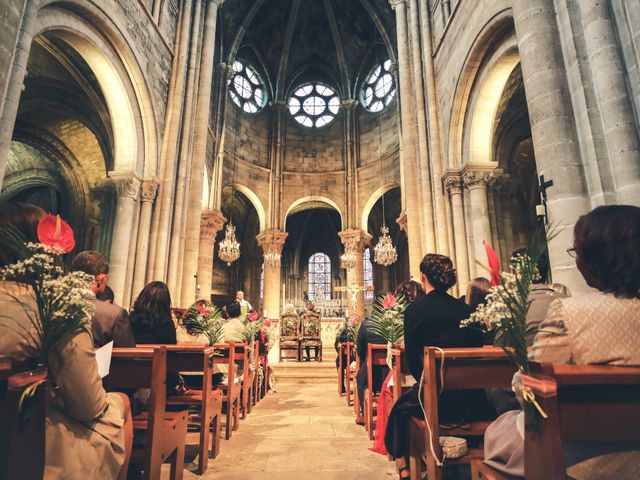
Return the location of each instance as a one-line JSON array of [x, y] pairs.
[[304, 431]]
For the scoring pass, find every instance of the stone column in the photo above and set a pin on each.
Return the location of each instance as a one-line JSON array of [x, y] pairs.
[[272, 242], [350, 161], [608, 70], [476, 180], [553, 130], [409, 165], [128, 187], [198, 160], [355, 241], [147, 197], [211, 222], [453, 183]]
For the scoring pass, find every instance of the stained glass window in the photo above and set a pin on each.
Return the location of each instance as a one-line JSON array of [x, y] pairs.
[[319, 277], [368, 273], [379, 88], [314, 105], [246, 89]]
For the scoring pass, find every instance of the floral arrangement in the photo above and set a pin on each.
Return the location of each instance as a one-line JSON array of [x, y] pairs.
[[63, 305], [353, 327], [387, 319], [207, 320], [506, 306]]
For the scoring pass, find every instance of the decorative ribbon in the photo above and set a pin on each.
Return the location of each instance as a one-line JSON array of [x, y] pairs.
[[529, 396]]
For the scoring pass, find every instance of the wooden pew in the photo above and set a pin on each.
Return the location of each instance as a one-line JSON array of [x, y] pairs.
[[352, 379], [165, 432], [341, 353], [349, 351], [196, 359], [376, 356], [264, 389], [400, 369], [246, 387], [22, 444], [464, 369], [255, 397], [226, 353]]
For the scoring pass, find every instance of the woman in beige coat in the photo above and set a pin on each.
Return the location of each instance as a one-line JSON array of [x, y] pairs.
[[88, 431]]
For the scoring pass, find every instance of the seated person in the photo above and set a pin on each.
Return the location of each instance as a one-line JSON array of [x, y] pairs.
[[433, 320], [600, 327], [184, 330], [107, 296], [379, 372], [88, 432], [110, 322], [232, 333], [310, 315], [151, 320]]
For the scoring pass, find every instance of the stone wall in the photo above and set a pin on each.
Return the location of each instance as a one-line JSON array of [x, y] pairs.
[[312, 150]]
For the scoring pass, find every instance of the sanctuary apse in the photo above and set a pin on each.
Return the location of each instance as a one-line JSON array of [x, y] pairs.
[[150, 125]]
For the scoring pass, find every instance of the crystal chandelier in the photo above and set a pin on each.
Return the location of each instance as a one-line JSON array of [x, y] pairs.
[[229, 247], [272, 257], [384, 253], [348, 259]]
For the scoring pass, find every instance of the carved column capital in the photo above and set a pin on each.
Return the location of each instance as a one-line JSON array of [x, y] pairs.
[[402, 221], [349, 103], [225, 69], [279, 104], [272, 241], [127, 184], [218, 3], [452, 181], [354, 240], [396, 3], [211, 222], [149, 190], [478, 177]]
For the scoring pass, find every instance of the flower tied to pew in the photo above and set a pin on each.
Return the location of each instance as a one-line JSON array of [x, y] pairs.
[[387, 319], [61, 299], [205, 318], [505, 312]]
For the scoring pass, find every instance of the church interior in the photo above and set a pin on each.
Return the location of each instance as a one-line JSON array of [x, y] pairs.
[[292, 156]]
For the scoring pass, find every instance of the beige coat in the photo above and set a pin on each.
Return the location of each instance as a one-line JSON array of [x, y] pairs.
[[84, 436]]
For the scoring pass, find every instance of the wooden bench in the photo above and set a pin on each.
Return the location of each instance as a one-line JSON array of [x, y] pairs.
[[464, 369], [197, 359], [22, 438], [349, 352], [264, 388], [376, 357], [227, 353], [400, 370], [165, 432], [585, 404], [246, 383]]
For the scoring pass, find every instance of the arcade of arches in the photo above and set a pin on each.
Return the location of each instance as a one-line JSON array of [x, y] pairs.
[[149, 125]]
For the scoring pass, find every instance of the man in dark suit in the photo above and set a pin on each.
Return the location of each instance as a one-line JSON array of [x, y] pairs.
[[109, 322], [365, 337]]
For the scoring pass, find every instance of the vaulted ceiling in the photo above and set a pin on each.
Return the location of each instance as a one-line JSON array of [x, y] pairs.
[[290, 41]]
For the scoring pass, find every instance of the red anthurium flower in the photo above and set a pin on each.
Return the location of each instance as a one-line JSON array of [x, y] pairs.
[[494, 264], [389, 301], [201, 308], [56, 233], [267, 323], [253, 316]]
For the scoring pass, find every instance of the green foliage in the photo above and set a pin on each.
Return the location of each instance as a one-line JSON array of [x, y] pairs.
[[207, 320], [388, 321]]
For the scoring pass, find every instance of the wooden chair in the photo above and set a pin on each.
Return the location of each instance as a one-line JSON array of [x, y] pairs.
[[341, 348], [226, 353], [350, 354], [196, 360], [311, 333], [464, 369], [376, 357], [165, 431], [353, 380], [264, 388], [289, 335], [244, 352], [22, 436]]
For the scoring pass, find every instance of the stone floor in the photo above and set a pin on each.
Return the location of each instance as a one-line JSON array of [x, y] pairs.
[[304, 431]]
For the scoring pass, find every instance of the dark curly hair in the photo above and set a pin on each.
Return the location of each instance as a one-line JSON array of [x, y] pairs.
[[411, 291], [152, 307], [607, 246], [24, 217], [439, 271]]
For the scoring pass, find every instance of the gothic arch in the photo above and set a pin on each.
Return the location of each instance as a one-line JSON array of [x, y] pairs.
[[312, 200], [254, 199], [371, 201]]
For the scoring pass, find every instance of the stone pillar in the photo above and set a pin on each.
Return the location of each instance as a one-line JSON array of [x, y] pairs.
[[476, 180], [211, 222], [272, 242], [355, 241], [128, 187], [453, 183], [350, 161], [198, 160], [147, 197], [409, 165], [608, 70], [553, 129]]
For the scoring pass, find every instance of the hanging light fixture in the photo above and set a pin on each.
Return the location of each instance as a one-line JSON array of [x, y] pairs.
[[384, 253], [271, 256], [348, 259], [229, 249]]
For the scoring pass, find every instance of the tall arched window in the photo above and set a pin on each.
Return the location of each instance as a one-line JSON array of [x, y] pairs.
[[368, 273], [319, 277]]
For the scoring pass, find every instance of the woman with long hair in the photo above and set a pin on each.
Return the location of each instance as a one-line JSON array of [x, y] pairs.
[[151, 320], [477, 292]]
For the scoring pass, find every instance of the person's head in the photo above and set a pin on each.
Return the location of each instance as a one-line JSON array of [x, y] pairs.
[[606, 243], [23, 217], [289, 309], [239, 295], [542, 264], [309, 306], [191, 314], [107, 296], [95, 264], [411, 291], [153, 305], [477, 292], [437, 272], [233, 309]]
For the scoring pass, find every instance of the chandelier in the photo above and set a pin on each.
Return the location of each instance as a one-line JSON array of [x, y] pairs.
[[348, 259], [272, 257], [384, 253], [229, 247]]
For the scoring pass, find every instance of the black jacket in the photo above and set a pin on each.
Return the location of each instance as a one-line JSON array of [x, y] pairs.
[[365, 337], [111, 322], [434, 320]]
